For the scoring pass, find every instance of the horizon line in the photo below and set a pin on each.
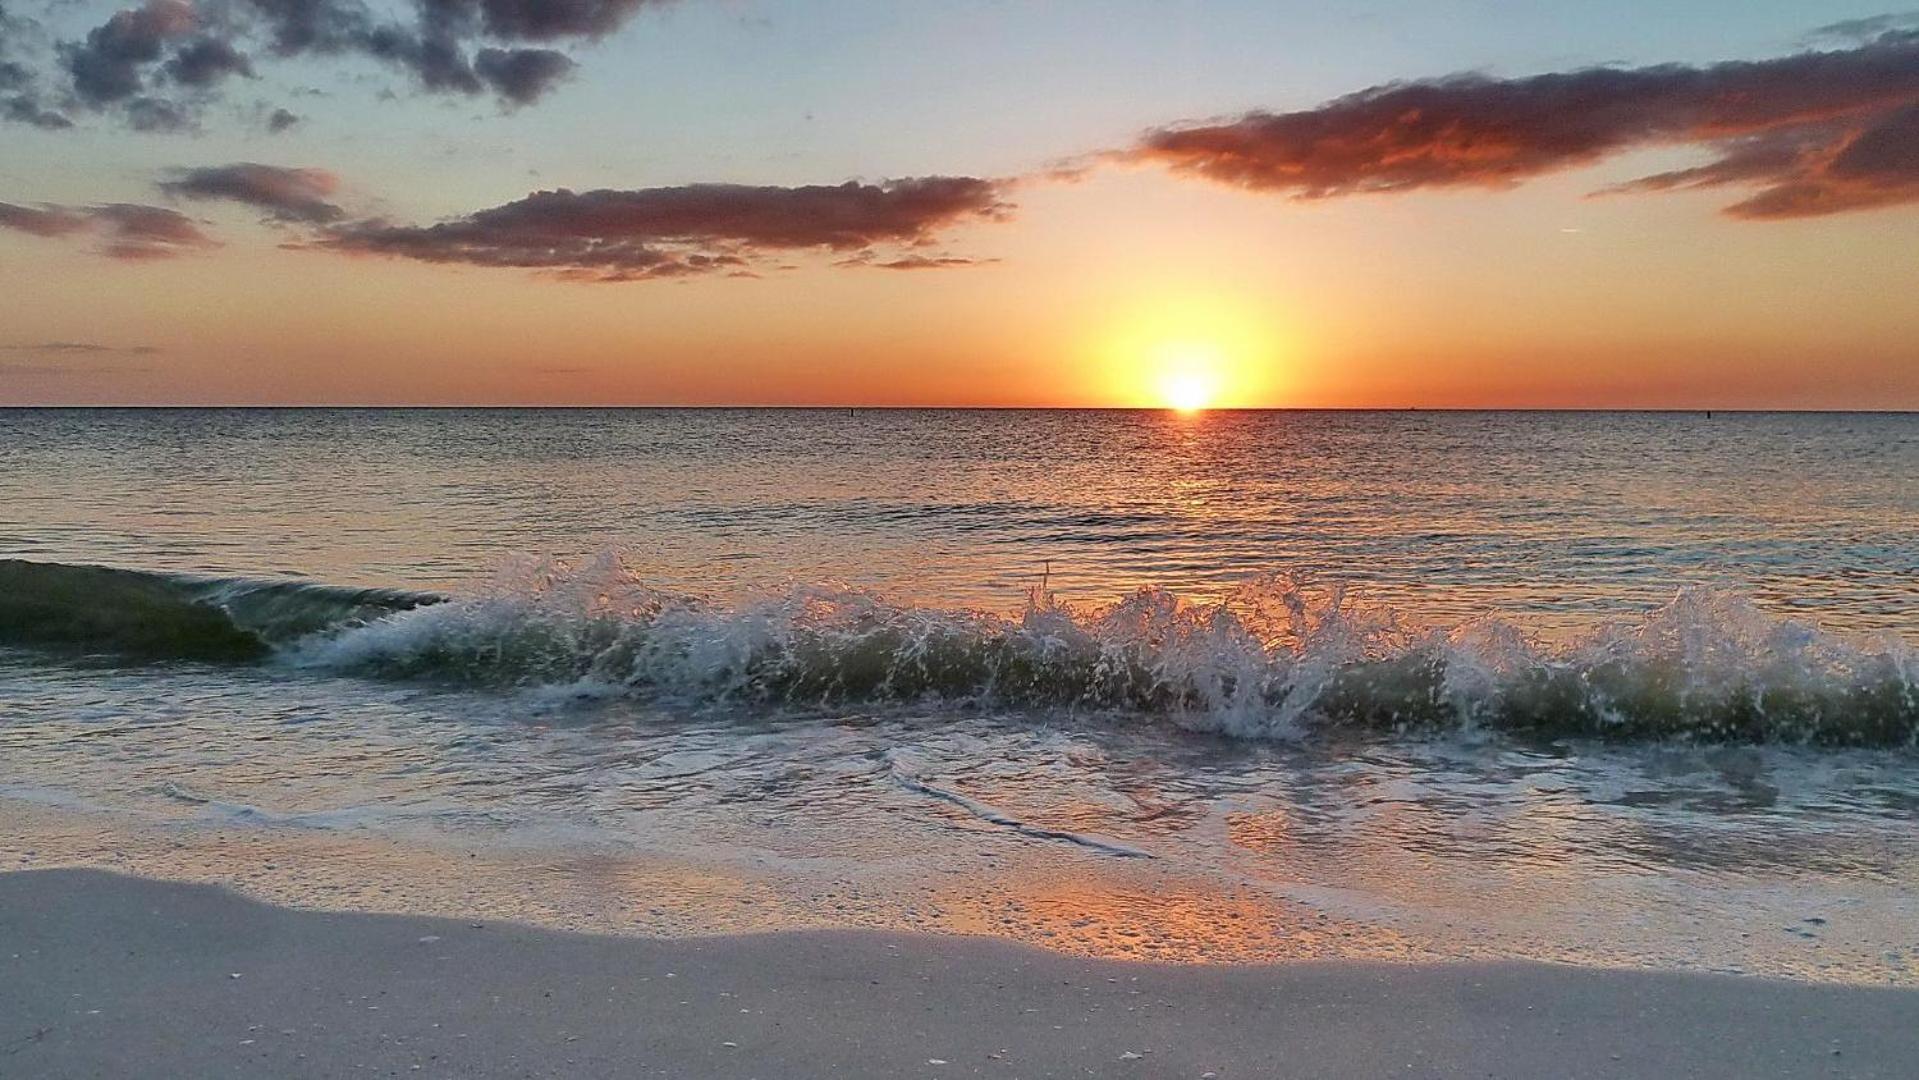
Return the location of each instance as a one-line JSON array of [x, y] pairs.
[[1673, 409]]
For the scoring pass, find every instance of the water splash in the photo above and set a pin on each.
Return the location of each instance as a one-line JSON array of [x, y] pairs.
[[1280, 657]]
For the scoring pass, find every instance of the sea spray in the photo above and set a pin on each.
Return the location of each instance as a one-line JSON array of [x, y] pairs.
[[1279, 658]]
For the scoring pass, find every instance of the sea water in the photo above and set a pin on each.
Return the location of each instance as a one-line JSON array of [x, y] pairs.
[[1631, 689]]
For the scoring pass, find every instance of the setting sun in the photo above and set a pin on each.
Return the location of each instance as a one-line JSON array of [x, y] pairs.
[[1189, 353], [1190, 377], [1187, 393]]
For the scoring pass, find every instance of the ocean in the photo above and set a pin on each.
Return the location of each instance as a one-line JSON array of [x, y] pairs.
[[1626, 689]]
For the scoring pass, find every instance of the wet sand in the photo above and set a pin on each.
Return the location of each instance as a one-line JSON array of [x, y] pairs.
[[108, 976]]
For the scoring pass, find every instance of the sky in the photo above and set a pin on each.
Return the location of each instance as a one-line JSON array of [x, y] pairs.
[[972, 202]]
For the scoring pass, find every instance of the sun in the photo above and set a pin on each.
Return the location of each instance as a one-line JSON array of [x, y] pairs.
[[1189, 374], [1187, 391], [1187, 353]]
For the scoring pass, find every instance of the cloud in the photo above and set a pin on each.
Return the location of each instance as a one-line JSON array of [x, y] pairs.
[[128, 231], [20, 96], [1860, 30], [155, 114], [434, 49], [157, 64], [521, 76], [206, 62], [287, 195], [913, 262], [26, 109], [82, 348], [1786, 127], [106, 66], [1824, 169], [683, 231], [43, 220], [281, 120], [545, 20]]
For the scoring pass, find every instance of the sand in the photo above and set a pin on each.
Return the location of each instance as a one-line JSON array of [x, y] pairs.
[[110, 976]]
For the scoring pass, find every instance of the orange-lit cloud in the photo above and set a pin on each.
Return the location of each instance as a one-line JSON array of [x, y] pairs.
[[1814, 133], [694, 229], [1806, 172]]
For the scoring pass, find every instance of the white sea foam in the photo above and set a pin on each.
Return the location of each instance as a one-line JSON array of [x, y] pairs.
[[1279, 657]]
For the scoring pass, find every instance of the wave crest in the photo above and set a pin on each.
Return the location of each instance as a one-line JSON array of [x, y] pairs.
[[1278, 658]]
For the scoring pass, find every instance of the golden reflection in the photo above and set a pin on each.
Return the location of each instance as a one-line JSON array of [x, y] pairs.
[[1172, 919]]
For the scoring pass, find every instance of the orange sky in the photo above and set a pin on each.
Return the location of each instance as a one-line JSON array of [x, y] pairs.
[[1089, 293]]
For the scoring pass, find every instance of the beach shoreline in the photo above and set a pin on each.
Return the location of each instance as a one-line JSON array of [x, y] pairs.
[[118, 976]]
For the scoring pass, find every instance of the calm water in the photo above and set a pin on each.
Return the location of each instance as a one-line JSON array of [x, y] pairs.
[[1612, 688], [1557, 518]]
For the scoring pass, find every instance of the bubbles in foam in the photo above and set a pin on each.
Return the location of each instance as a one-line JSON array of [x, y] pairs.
[[1280, 657]]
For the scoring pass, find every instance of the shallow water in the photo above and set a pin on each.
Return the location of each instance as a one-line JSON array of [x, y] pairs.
[[1611, 689]]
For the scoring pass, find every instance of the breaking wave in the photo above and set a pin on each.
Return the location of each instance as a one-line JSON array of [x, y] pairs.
[[177, 616], [1280, 657]]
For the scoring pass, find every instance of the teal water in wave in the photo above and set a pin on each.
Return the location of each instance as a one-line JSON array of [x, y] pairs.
[[1663, 662]]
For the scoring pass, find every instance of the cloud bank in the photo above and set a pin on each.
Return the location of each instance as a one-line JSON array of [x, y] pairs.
[[155, 65], [1813, 133], [669, 232]]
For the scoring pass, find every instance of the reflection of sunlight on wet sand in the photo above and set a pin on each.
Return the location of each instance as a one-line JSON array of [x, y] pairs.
[[1124, 914], [1170, 919], [1414, 908], [332, 871]]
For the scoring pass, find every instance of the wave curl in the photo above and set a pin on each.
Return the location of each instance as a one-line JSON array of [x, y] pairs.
[[1278, 658]]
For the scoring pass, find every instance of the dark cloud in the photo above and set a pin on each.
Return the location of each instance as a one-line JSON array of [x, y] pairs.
[[1782, 126], [438, 63], [107, 66], [26, 109], [463, 47], [130, 231], [547, 20], [280, 120], [158, 114], [20, 98], [434, 48], [207, 61], [287, 195], [521, 76], [294, 27], [683, 231]]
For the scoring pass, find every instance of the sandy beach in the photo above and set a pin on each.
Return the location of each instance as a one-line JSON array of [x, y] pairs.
[[111, 976]]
